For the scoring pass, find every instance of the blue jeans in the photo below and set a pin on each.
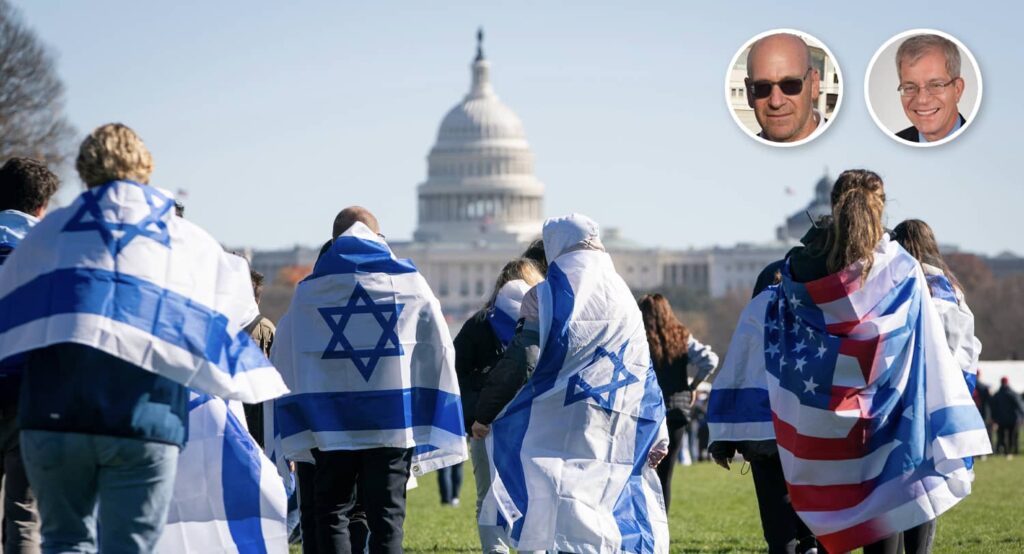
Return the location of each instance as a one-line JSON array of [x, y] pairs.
[[449, 482], [131, 480]]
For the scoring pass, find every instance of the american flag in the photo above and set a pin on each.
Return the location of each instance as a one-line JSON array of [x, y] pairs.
[[869, 408]]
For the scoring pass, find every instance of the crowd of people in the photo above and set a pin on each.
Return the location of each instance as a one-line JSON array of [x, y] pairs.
[[119, 319]]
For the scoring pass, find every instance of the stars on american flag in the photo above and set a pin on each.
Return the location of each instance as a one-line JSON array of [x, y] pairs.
[[800, 363], [796, 302], [821, 350], [810, 386], [773, 349], [799, 346]]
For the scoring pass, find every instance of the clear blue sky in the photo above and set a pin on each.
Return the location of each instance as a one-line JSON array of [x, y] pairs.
[[274, 115]]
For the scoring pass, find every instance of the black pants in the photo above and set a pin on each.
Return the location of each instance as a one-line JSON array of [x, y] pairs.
[[916, 540], [380, 475], [305, 473], [676, 428], [784, 531], [358, 531], [1006, 439]]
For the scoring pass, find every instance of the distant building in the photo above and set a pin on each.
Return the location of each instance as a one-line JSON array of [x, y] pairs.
[[1005, 264]]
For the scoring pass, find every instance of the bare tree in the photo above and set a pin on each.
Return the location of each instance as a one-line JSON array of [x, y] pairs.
[[32, 121]]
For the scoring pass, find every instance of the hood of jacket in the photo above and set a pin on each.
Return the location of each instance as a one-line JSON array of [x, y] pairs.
[[569, 233]]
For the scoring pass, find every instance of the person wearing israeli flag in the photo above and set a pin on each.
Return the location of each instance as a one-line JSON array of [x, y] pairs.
[[26, 186], [590, 413], [478, 348], [917, 238], [366, 350], [121, 305], [845, 365]]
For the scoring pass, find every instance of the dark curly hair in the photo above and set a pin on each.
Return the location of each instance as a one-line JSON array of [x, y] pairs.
[[26, 185]]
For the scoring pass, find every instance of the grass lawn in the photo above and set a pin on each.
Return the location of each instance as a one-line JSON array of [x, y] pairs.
[[715, 511]]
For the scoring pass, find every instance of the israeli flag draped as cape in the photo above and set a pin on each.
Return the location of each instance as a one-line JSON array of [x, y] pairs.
[[118, 271], [569, 453], [504, 314], [957, 322], [367, 353], [228, 497], [855, 381]]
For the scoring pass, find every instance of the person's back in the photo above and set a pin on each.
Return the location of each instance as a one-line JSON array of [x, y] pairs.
[[593, 392], [26, 187], [1006, 406], [379, 398], [97, 295]]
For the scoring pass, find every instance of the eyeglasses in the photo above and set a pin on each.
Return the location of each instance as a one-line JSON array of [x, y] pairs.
[[934, 88], [790, 86]]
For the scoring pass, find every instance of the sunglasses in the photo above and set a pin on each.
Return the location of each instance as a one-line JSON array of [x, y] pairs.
[[791, 86]]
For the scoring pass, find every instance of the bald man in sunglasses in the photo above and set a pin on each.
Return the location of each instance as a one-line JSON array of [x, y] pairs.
[[782, 88]]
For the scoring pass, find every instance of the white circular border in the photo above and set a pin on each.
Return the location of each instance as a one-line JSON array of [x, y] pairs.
[[977, 74], [728, 80]]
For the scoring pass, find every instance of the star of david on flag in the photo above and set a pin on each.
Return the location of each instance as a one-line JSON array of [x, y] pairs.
[[118, 235], [579, 389], [337, 318]]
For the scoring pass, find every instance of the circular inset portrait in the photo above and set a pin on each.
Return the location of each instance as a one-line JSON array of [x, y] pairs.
[[784, 87], [923, 87]]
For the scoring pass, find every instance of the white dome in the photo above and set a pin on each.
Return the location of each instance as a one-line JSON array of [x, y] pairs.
[[480, 172], [480, 118]]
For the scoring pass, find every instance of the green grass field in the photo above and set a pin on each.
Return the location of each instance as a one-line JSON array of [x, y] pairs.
[[715, 511]]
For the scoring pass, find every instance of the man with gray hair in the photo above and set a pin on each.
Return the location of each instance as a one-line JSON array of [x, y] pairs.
[[782, 88], [930, 87]]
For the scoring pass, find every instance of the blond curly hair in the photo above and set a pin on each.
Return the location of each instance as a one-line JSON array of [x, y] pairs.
[[113, 152]]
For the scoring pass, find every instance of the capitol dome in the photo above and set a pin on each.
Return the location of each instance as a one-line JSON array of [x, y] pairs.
[[480, 183]]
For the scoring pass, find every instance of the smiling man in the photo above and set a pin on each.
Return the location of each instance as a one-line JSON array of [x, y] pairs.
[[928, 67], [782, 88]]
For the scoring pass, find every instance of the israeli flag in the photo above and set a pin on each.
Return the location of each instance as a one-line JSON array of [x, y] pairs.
[[118, 271], [367, 353], [957, 322], [228, 496], [569, 453], [853, 378], [504, 314]]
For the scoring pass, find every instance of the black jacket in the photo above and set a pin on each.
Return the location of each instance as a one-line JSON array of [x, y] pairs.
[[509, 374], [72, 388], [676, 390], [1007, 408], [477, 349]]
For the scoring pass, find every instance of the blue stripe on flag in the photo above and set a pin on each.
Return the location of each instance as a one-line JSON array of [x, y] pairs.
[[972, 381], [941, 288], [502, 324], [369, 410], [956, 419], [739, 406], [240, 478], [631, 507], [351, 254], [508, 442], [166, 315]]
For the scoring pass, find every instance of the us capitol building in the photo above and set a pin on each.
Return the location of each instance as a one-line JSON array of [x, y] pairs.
[[481, 205]]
